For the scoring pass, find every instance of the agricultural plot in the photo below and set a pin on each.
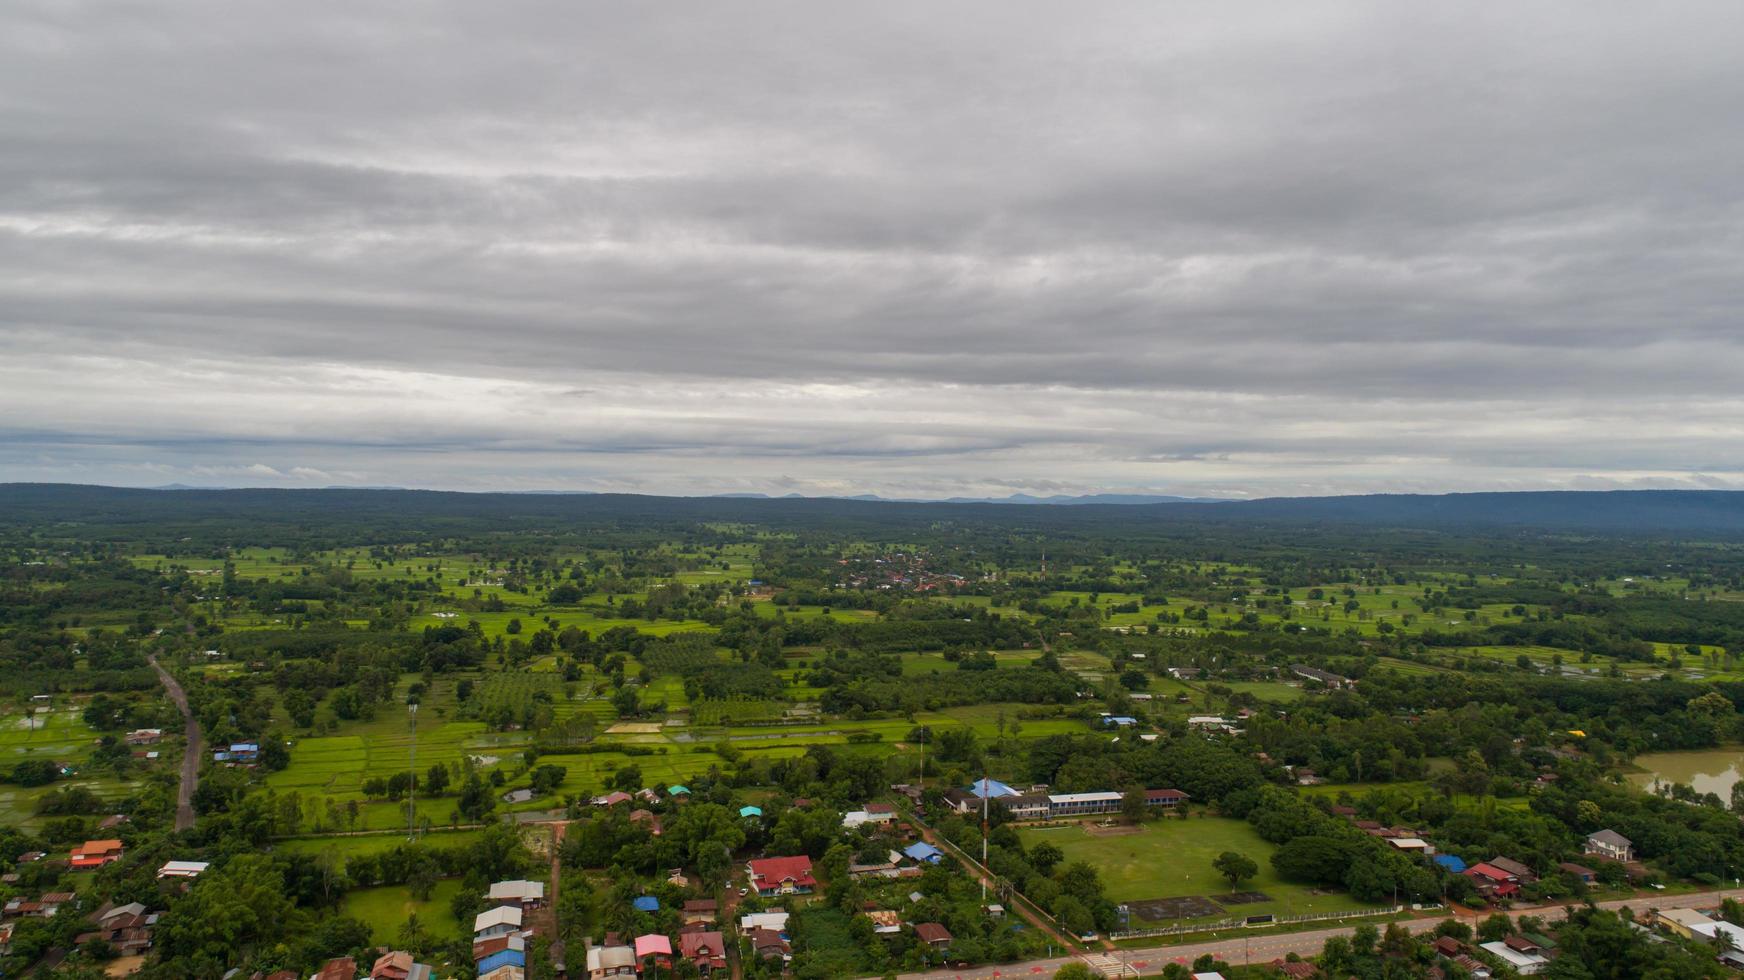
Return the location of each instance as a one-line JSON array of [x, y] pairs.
[[1171, 859], [348, 846]]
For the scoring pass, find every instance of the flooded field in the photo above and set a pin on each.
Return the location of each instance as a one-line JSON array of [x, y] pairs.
[[1709, 771]]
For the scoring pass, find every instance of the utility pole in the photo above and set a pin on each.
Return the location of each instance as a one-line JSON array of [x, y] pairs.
[[985, 793], [412, 808]]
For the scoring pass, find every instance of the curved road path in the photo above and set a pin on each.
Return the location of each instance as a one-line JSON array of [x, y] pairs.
[[190, 757]]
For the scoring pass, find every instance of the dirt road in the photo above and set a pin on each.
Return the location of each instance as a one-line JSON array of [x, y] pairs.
[[190, 757]]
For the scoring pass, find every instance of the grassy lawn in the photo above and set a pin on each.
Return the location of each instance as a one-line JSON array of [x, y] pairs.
[[386, 909], [1266, 690], [1172, 858]]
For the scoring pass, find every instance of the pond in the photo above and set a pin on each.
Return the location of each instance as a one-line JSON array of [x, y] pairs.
[[1709, 771]]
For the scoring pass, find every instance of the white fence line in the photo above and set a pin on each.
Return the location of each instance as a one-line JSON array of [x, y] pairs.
[[1243, 923]]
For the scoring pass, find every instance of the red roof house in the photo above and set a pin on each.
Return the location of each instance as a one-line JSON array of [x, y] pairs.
[[96, 853], [782, 876], [706, 949]]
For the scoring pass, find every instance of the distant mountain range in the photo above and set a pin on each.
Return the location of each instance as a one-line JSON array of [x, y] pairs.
[[1618, 511], [1016, 498]]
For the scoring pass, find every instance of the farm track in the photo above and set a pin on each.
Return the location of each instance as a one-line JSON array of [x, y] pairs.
[[190, 755]]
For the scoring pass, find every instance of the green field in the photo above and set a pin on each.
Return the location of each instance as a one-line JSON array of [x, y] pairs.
[[1172, 858], [345, 846], [385, 909]]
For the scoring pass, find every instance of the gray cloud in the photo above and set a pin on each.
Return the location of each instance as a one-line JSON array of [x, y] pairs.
[[1271, 248]]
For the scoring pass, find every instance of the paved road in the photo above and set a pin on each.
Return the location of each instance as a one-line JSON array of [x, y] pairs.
[[190, 757], [1264, 949]]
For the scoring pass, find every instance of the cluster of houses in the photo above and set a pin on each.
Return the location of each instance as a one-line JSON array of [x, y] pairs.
[[1401, 838], [126, 928], [1037, 804], [1697, 925], [499, 933], [1500, 877], [700, 943], [1525, 954], [393, 965]]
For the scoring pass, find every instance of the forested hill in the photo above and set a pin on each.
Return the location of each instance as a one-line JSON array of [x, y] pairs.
[[1662, 511]]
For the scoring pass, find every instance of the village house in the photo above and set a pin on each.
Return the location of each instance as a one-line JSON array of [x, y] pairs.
[[525, 895], [1608, 843], [145, 736], [96, 853], [700, 911], [1519, 872], [126, 928], [877, 814], [183, 869], [775, 920], [782, 876], [499, 921], [1682, 922], [1491, 881], [617, 960], [398, 965], [238, 754], [1325, 677], [483, 948], [654, 950], [647, 821], [884, 922], [705, 950], [338, 968], [933, 934], [767, 944], [514, 959], [924, 853], [1520, 953], [1578, 872]]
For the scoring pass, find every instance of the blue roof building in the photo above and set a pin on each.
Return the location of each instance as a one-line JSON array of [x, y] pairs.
[[500, 959], [678, 791], [922, 851], [647, 903], [991, 789], [1450, 862], [1122, 721], [750, 811]]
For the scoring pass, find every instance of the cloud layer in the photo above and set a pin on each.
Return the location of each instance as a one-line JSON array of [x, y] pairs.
[[902, 248]]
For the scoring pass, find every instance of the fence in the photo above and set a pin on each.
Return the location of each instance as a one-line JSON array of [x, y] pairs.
[[1242, 923], [1018, 899]]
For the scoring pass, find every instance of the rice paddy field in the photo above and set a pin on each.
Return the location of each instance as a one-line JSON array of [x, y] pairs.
[[58, 734]]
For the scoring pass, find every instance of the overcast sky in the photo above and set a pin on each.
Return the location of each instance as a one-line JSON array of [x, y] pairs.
[[916, 249]]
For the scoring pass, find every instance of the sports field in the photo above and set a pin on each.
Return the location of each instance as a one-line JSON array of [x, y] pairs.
[[1172, 859]]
